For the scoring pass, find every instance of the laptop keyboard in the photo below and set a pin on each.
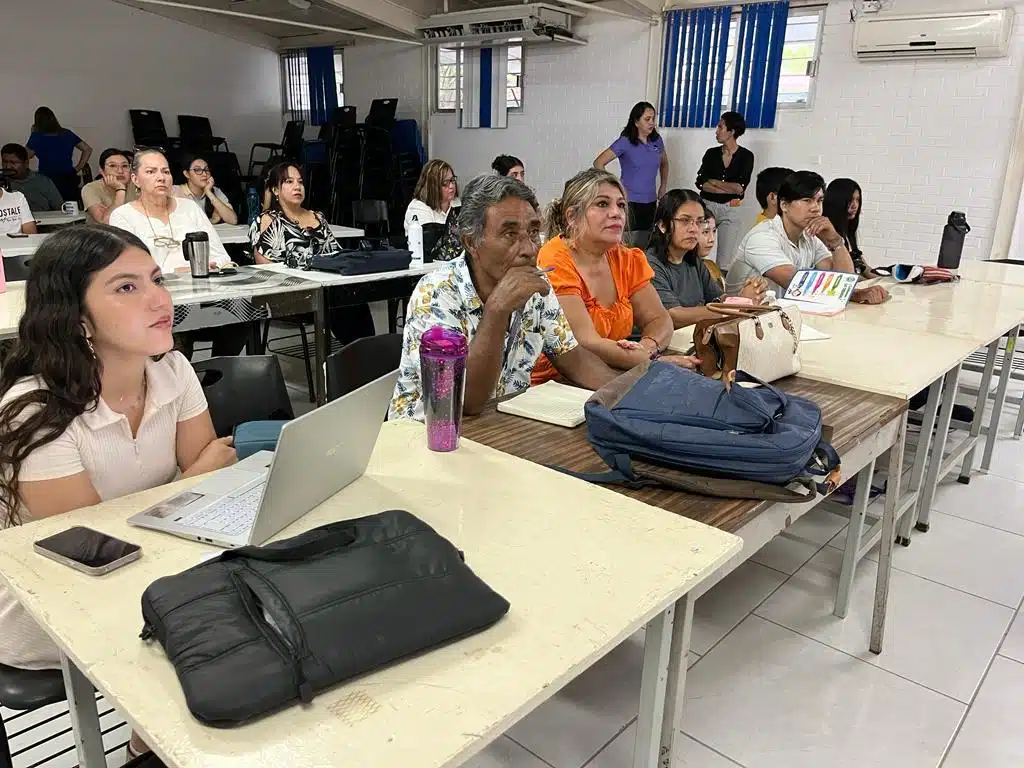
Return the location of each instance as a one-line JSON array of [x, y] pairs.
[[232, 516]]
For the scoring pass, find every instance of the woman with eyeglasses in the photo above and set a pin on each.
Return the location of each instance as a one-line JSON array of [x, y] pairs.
[[681, 237], [199, 187], [161, 221], [436, 192]]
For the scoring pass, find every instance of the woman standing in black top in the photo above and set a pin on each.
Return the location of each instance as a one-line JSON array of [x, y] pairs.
[[722, 179], [842, 204]]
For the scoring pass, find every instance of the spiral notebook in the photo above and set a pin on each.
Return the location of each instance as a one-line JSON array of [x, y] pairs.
[[550, 402]]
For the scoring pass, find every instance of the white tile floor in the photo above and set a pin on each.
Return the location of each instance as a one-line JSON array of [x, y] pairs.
[[777, 682]]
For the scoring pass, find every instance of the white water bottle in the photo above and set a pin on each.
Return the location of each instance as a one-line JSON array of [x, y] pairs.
[[416, 242]]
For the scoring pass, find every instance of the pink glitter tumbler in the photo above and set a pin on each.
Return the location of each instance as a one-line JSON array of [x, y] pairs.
[[443, 354]]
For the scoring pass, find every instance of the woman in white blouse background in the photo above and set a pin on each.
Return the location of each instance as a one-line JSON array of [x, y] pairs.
[[161, 220], [94, 405]]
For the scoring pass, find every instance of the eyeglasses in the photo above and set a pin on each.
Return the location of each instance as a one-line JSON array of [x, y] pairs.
[[117, 166], [162, 241], [201, 171], [689, 221], [450, 182]]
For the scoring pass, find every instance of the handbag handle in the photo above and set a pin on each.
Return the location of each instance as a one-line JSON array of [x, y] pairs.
[[335, 536], [745, 399], [735, 310]]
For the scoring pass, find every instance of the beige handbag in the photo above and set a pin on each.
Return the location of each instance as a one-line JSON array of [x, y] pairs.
[[759, 340]]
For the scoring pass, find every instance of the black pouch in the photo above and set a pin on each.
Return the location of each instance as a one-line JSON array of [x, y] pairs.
[[258, 628]]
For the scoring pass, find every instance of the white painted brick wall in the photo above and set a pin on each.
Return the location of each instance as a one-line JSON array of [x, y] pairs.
[[385, 70]]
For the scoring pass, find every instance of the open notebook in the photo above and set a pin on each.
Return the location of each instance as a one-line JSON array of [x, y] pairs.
[[550, 402]]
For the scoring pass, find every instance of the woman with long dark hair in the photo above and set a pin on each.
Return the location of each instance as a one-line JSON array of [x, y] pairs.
[[509, 165], [289, 232], [842, 206], [94, 405], [642, 159], [55, 147], [682, 279]]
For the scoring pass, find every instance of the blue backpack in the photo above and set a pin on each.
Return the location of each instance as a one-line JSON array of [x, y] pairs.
[[696, 436]]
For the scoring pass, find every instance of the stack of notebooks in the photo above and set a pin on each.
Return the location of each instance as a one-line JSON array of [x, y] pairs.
[[550, 402]]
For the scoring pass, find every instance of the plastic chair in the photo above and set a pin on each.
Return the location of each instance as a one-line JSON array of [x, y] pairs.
[[241, 389], [197, 134], [25, 690], [375, 212], [382, 113], [362, 361], [148, 129], [290, 148]]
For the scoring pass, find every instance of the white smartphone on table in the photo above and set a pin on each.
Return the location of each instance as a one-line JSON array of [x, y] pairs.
[[87, 550]]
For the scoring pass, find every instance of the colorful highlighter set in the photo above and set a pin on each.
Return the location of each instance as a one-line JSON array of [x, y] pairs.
[[814, 283]]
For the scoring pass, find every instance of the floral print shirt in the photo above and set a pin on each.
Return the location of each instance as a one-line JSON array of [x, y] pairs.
[[448, 297], [284, 240]]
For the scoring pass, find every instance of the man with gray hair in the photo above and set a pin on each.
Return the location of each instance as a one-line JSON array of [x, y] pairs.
[[494, 295]]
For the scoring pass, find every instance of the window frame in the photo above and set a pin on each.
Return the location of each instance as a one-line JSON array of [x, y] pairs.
[[436, 75], [302, 101], [798, 11]]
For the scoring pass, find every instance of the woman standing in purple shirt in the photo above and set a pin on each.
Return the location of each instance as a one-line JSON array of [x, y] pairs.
[[641, 154]]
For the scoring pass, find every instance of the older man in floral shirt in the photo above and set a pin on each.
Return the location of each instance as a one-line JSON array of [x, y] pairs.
[[495, 295]]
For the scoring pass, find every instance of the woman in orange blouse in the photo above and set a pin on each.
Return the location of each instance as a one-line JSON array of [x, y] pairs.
[[604, 287]]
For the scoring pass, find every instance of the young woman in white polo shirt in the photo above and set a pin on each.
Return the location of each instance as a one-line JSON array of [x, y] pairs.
[[93, 404]]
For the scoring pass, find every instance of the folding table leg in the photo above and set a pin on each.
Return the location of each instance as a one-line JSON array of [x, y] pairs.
[[1000, 401], [320, 345], [853, 536], [931, 480], [658, 645], [924, 441], [886, 545], [675, 695], [85, 721], [979, 410]]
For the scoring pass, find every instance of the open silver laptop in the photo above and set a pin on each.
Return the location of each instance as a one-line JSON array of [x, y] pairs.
[[317, 455]]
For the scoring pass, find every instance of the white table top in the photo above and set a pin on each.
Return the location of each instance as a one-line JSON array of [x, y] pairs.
[[992, 272], [869, 357], [580, 578], [980, 312], [332, 279], [229, 233], [57, 218]]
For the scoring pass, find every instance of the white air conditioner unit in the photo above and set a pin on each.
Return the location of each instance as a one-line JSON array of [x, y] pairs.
[[532, 23], [967, 35]]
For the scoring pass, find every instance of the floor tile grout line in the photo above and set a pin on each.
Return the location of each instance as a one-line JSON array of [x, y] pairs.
[[978, 522], [862, 661], [977, 690], [766, 599], [716, 751], [608, 743], [933, 581], [524, 747]]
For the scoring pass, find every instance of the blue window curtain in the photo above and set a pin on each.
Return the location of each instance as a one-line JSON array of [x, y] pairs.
[[323, 89], [693, 66], [759, 42]]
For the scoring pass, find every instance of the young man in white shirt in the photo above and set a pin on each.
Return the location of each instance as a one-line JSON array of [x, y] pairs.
[[15, 215], [798, 238]]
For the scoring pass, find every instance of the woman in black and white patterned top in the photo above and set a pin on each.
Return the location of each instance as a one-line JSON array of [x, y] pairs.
[[290, 233]]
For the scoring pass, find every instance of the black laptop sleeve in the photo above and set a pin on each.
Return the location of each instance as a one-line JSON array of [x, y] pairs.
[[258, 628]]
